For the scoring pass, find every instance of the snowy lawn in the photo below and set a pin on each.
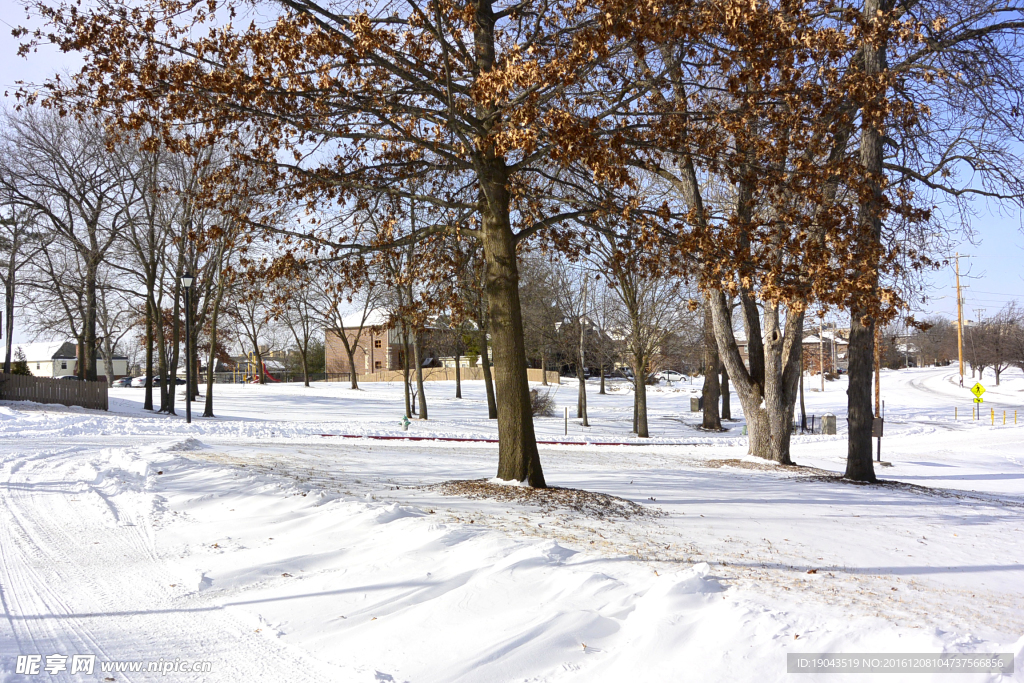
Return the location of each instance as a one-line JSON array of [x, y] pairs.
[[274, 553]]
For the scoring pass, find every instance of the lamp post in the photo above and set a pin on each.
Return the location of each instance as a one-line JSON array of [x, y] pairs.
[[186, 283]]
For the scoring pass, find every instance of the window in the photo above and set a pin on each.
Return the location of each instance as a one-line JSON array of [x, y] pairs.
[[377, 343], [37, 366], [377, 365], [63, 365]]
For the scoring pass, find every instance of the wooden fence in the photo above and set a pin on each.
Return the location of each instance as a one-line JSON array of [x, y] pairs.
[[448, 374], [45, 390]]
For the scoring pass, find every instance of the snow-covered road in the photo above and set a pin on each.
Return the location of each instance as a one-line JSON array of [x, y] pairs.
[[273, 553]]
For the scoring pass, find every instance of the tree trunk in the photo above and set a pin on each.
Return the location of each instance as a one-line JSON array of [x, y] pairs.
[[581, 397], [711, 390], [170, 380], [458, 375], [161, 354], [485, 365], [89, 354], [148, 401], [726, 401], [602, 379], [211, 363], [759, 431], [859, 466], [108, 362], [518, 459], [409, 403], [350, 351], [544, 369], [803, 408], [419, 377], [9, 320], [305, 369], [259, 366], [767, 404], [640, 397], [862, 325]]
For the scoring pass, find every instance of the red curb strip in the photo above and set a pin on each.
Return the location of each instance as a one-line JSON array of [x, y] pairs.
[[482, 440]]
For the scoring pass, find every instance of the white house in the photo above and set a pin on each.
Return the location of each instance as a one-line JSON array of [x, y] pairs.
[[55, 359]]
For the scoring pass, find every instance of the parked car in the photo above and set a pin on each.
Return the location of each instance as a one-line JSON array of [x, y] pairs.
[[73, 378], [670, 376], [141, 381], [126, 381]]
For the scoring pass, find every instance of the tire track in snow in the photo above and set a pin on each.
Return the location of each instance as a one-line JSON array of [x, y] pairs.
[[114, 604]]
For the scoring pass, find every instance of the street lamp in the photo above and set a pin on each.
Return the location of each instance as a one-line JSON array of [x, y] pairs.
[[186, 283]]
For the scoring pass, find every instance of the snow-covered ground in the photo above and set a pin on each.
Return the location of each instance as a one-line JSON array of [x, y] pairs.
[[256, 544]]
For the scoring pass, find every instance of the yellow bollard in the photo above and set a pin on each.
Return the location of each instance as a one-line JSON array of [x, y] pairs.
[[1004, 417], [954, 413], [993, 416]]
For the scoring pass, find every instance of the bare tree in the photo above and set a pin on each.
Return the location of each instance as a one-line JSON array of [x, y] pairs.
[[61, 170], [996, 338], [649, 311], [294, 306], [20, 243]]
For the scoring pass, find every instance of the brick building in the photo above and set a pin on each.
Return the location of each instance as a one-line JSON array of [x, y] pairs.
[[380, 345]]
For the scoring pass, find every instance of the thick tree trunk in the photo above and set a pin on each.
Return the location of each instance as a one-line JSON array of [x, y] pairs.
[[485, 366], [759, 432], [803, 408], [602, 380], [419, 377], [859, 466], [89, 355], [640, 397], [711, 390], [305, 369], [726, 404], [862, 325], [767, 404], [544, 369], [726, 399], [518, 459]]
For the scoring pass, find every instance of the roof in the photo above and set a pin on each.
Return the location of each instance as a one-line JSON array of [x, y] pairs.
[[376, 317], [44, 351]]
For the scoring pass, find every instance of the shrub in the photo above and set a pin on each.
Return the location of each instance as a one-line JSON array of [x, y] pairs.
[[19, 366], [542, 404]]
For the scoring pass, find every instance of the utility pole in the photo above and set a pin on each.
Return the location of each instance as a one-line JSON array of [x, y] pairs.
[[959, 320], [979, 311]]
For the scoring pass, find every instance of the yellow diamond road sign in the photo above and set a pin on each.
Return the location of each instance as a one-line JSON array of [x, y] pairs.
[[978, 390]]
